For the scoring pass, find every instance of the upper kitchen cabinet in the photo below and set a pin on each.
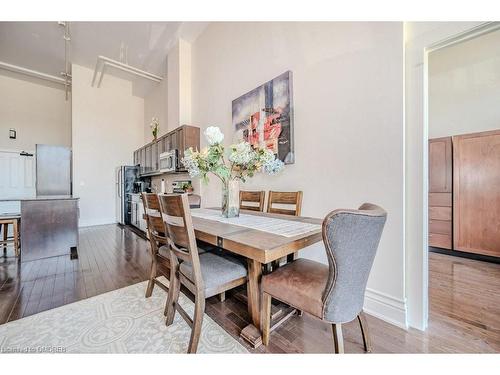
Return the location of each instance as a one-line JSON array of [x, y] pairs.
[[179, 139], [185, 137]]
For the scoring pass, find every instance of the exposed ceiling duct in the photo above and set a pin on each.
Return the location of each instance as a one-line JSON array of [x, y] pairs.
[[65, 78], [32, 73], [67, 57], [104, 62]]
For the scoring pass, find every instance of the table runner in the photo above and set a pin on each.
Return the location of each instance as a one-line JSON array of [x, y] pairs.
[[282, 227]]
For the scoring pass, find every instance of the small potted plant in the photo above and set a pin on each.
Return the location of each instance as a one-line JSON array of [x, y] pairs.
[[155, 124], [241, 162], [187, 187]]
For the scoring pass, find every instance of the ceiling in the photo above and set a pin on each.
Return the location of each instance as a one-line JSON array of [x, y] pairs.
[[40, 45]]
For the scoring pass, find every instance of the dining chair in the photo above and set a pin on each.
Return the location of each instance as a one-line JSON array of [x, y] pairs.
[[335, 292], [5, 221], [155, 229], [204, 275], [293, 199], [254, 197]]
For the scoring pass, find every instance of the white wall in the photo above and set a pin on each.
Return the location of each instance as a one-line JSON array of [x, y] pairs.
[[179, 85], [464, 87], [155, 105], [36, 109], [418, 37], [108, 125], [348, 105]]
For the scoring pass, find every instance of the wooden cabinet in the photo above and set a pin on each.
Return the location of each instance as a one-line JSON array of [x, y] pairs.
[[440, 165], [440, 192], [464, 193], [179, 139], [476, 186]]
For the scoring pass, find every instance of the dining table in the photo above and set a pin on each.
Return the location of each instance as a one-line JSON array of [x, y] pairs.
[[260, 238]]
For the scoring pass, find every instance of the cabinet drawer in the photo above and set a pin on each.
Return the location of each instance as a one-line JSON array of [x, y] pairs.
[[440, 213], [440, 199], [440, 227], [440, 240]]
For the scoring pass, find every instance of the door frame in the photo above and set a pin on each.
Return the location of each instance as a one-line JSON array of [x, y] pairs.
[[471, 33]]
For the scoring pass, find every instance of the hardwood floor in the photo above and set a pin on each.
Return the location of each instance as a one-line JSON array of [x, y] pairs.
[[464, 299]]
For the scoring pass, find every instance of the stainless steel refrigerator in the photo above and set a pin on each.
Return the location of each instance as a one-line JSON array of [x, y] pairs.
[[53, 170], [125, 177]]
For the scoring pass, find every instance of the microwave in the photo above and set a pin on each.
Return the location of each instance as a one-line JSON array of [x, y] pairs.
[[169, 161]]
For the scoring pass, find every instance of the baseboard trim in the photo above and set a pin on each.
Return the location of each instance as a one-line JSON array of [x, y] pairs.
[[91, 223], [386, 307]]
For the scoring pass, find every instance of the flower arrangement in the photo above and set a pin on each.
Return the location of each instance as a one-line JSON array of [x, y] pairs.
[[239, 163], [154, 125]]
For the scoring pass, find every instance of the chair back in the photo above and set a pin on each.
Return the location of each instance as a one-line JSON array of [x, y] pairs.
[[351, 240], [155, 227], [293, 199], [180, 233], [256, 197]]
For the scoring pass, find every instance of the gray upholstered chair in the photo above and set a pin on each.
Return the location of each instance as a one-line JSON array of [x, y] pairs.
[[335, 292], [205, 275]]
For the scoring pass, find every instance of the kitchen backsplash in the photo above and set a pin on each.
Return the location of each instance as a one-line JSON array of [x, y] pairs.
[[169, 178]]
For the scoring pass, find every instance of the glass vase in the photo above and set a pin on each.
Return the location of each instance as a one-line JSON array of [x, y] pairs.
[[231, 199]]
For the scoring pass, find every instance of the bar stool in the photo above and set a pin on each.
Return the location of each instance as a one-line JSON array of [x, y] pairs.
[[5, 221]]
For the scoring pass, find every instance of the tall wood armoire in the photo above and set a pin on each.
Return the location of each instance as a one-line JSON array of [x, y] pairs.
[[465, 216]]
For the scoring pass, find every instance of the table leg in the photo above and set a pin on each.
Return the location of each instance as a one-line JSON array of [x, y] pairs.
[[252, 332]]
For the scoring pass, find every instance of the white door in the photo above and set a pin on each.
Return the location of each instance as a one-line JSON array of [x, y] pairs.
[[17, 174]]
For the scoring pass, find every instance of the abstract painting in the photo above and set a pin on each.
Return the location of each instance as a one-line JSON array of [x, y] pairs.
[[264, 117]]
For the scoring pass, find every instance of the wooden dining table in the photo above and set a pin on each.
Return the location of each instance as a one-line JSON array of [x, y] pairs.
[[260, 248]]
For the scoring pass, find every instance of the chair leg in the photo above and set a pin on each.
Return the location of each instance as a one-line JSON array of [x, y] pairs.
[[338, 340], [5, 234], [152, 276], [365, 332], [265, 317], [222, 296], [173, 295], [16, 238], [199, 310]]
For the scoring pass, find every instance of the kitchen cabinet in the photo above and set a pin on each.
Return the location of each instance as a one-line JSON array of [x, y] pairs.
[[180, 139], [137, 217]]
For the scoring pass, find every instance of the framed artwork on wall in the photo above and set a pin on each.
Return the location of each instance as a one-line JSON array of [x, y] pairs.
[[264, 117]]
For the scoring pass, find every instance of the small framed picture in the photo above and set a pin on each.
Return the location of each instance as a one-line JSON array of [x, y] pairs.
[[12, 133]]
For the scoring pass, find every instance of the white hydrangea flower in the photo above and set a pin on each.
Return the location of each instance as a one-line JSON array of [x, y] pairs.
[[214, 135], [267, 157], [190, 162], [241, 153]]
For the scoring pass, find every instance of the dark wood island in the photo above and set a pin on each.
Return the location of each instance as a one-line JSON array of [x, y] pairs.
[[49, 226]]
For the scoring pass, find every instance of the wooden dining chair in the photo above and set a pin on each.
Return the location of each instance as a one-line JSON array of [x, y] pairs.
[[160, 259], [5, 221], [256, 198], [293, 199], [333, 293], [204, 275]]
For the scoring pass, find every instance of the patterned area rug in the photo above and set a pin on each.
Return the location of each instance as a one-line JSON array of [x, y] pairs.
[[121, 321]]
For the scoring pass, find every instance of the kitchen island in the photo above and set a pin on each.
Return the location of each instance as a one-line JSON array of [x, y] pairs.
[[49, 225]]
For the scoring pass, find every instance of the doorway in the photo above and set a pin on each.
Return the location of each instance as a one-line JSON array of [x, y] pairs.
[[463, 124]]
